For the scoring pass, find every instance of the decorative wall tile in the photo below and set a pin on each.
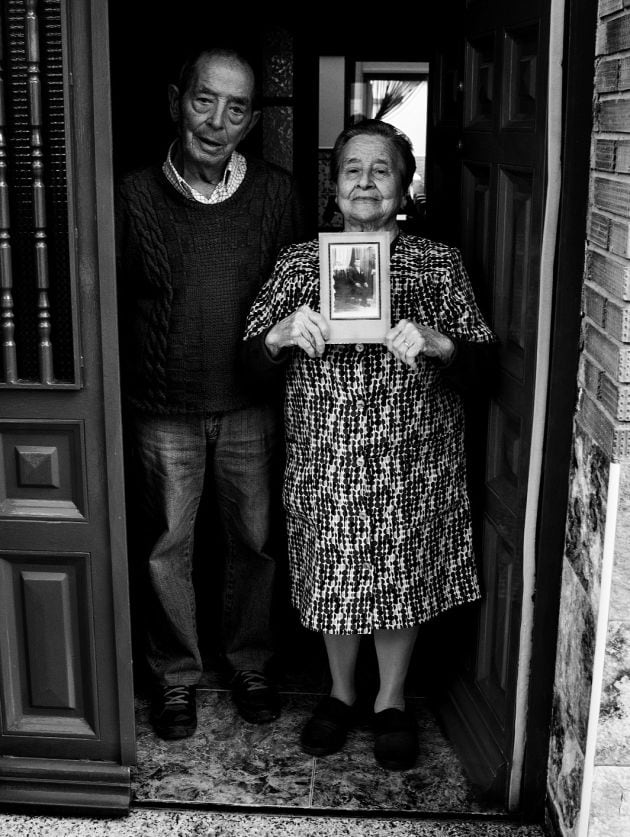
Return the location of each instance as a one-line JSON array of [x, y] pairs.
[[329, 217], [564, 780], [588, 489], [277, 75], [278, 135], [574, 658], [573, 677]]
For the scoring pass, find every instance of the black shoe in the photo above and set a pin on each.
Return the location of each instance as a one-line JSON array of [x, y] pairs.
[[256, 699], [174, 712], [326, 730], [395, 739]]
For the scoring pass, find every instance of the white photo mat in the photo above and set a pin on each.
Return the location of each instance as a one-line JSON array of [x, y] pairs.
[[354, 285]]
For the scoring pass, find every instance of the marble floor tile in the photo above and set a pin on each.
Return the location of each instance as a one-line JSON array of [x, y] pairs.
[[352, 779], [231, 762], [226, 761]]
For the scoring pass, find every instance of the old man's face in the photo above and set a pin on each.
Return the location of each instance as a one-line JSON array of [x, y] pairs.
[[215, 113]]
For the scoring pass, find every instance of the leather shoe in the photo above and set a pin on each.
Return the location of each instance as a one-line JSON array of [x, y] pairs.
[[326, 730], [256, 699], [395, 739], [174, 712]]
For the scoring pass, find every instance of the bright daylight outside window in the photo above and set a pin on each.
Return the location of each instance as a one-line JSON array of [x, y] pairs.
[[403, 103]]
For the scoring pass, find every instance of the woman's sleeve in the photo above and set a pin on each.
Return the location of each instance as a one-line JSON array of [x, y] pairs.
[[274, 301]]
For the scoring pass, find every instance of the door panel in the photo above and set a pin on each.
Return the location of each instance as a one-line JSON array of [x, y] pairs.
[[48, 644], [67, 735], [502, 148]]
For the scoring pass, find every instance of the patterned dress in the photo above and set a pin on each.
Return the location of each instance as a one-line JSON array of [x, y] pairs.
[[378, 517]]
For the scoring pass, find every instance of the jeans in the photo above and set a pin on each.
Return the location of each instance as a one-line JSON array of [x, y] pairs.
[[171, 455]]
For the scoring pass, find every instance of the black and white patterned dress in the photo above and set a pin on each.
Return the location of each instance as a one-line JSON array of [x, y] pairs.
[[378, 517]]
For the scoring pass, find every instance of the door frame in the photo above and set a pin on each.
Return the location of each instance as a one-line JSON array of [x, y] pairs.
[[568, 276], [101, 193], [578, 61]]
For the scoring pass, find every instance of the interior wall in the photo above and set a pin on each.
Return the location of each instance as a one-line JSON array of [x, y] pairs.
[[331, 99]]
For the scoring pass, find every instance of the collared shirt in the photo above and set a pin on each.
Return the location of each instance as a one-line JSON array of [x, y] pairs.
[[229, 183]]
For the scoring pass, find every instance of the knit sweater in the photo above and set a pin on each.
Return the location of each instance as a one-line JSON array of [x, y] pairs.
[[187, 274]]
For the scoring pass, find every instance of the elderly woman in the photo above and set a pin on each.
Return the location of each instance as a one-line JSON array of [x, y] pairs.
[[378, 517]]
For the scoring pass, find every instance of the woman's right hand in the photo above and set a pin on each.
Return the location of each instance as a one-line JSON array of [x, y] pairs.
[[305, 328]]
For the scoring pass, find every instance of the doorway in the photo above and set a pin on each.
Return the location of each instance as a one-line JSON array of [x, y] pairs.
[[76, 751], [144, 41]]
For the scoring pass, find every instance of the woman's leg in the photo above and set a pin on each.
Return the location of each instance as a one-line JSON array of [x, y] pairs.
[[342, 651], [326, 730], [393, 653]]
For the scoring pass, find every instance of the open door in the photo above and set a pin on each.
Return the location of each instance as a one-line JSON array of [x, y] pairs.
[[502, 160], [67, 736]]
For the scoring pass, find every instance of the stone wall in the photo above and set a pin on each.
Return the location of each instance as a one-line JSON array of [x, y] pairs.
[[589, 764]]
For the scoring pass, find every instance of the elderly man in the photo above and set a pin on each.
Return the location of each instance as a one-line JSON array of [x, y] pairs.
[[196, 238], [358, 282]]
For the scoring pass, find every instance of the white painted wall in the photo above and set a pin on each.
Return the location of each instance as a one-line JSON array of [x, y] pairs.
[[331, 94]]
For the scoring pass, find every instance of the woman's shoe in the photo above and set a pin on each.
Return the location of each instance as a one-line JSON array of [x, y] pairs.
[[395, 739], [326, 730]]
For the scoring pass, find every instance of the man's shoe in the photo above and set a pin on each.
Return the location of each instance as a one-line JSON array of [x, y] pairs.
[[326, 730], [395, 739], [174, 712], [256, 699]]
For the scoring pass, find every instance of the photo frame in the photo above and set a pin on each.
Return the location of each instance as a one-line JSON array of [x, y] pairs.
[[354, 285]]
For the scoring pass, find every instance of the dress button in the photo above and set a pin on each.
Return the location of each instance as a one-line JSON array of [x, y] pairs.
[[359, 347]]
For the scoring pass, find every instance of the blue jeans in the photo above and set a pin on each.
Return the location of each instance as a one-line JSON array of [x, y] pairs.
[[172, 454]]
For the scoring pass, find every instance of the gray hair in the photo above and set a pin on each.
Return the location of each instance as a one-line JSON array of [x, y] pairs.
[[399, 141]]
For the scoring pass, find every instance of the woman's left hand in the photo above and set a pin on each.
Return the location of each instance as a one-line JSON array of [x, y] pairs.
[[408, 339]]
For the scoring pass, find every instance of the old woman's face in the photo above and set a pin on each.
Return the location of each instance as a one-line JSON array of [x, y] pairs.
[[368, 188]]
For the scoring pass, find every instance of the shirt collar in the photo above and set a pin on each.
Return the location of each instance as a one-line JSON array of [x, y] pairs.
[[236, 161]]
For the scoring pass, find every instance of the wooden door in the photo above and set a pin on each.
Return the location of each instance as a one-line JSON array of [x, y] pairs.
[[66, 725], [501, 150]]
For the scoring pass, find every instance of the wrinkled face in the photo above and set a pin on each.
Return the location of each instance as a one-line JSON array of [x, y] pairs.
[[368, 189], [215, 113]]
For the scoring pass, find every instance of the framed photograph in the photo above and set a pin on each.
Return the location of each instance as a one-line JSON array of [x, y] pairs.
[[354, 285]]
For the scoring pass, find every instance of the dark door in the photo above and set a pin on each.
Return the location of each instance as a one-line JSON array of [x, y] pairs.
[[501, 151], [66, 698]]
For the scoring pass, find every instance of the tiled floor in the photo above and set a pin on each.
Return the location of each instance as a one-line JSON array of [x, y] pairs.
[[230, 762], [233, 779]]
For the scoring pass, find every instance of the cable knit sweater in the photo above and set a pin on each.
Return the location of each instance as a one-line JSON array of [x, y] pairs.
[[187, 274]]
